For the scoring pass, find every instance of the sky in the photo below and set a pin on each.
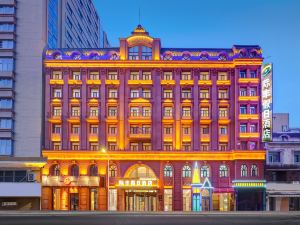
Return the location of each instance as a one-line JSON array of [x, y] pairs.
[[272, 24]]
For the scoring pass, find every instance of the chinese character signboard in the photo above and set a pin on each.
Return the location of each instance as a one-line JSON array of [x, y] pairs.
[[267, 102]]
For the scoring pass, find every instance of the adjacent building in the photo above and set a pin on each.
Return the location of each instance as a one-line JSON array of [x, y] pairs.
[[23, 38], [283, 166], [146, 128]]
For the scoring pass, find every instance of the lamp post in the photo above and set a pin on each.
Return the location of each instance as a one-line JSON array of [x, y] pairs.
[[103, 150]]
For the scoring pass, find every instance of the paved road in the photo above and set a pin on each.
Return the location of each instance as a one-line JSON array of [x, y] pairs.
[[88, 218]]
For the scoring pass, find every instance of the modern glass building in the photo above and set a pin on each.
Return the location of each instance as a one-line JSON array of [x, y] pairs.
[[23, 37], [147, 128]]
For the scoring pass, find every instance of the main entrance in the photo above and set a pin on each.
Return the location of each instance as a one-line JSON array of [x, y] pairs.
[[140, 200]]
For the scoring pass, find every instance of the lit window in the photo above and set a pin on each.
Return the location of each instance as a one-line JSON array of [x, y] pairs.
[[243, 91], [75, 129], [168, 171], [252, 145], [186, 171], [186, 76], [75, 146], [186, 130], [186, 146], [253, 110], [253, 91], [254, 171], [168, 93], [186, 111], [112, 129], [223, 112], [134, 129], [76, 76], [223, 171], [244, 171], [94, 146], [204, 171], [204, 112], [168, 146], [112, 93], [112, 75], [112, 146], [146, 111], [57, 75], [146, 53], [94, 112], [204, 146], [133, 53], [54, 170], [134, 75], [134, 146], [243, 128], [75, 111], [93, 129], [223, 147], [253, 128], [134, 93], [168, 76], [57, 93], [56, 145], [186, 93], [146, 93], [243, 74], [94, 75], [168, 111], [146, 75], [56, 129], [223, 130], [76, 93], [94, 93], [134, 111], [243, 109], [204, 129], [146, 146], [146, 129], [56, 111], [204, 93], [223, 94], [112, 170], [204, 76], [168, 130], [222, 76], [112, 111]]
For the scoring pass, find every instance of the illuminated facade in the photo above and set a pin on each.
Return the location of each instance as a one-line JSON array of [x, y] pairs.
[[146, 128]]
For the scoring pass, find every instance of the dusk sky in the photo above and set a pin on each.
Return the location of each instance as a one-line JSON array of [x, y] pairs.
[[272, 24]]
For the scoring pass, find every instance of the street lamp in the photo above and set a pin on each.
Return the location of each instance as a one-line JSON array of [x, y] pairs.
[[104, 150]]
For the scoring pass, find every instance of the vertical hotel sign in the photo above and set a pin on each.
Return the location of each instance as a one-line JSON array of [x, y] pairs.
[[267, 102]]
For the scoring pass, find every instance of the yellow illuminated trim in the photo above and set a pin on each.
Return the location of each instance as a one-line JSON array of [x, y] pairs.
[[204, 82], [140, 120], [97, 82], [74, 100], [248, 116], [249, 80], [249, 135], [140, 136], [168, 120], [167, 82], [93, 100], [55, 137], [186, 82], [223, 138], [154, 155], [54, 81], [205, 121], [114, 82], [223, 82], [74, 137], [112, 120], [140, 100], [149, 64], [112, 138], [56, 100], [224, 121], [168, 187], [55, 119], [74, 119], [248, 98], [205, 139], [92, 119], [93, 137], [168, 139], [74, 81], [140, 82], [112, 100], [186, 138], [168, 101], [186, 186]]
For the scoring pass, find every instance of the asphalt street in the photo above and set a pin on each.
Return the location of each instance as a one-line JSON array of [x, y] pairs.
[[113, 218]]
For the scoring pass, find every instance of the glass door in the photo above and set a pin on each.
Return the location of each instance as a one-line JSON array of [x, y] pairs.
[[197, 202], [74, 201]]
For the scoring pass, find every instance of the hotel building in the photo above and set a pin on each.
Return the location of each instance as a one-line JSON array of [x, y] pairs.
[[23, 38], [146, 128]]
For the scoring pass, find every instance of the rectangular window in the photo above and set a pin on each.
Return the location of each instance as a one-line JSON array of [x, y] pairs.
[[75, 145], [243, 109], [134, 75], [112, 146], [253, 128], [94, 93], [134, 146], [5, 146], [94, 75], [75, 111], [146, 146], [94, 146], [168, 130], [274, 157], [168, 146], [146, 75], [186, 146], [243, 74], [253, 91], [204, 129], [6, 83], [168, 93], [57, 75], [223, 112], [134, 129], [186, 130], [134, 93], [243, 91], [134, 111], [7, 27], [168, 200], [186, 199], [6, 64], [6, 103], [297, 156], [56, 145], [223, 130], [223, 94], [112, 129], [204, 146], [56, 111], [253, 74], [112, 75], [204, 112], [75, 129], [146, 111], [244, 145], [7, 9], [204, 93], [94, 129], [57, 93], [76, 93], [94, 111], [146, 129], [186, 93], [186, 76], [56, 129], [222, 76], [253, 110], [204, 76], [168, 76], [6, 44], [146, 93], [112, 111], [252, 145], [76, 76], [243, 128], [168, 111], [223, 147], [112, 93], [186, 111], [5, 123]]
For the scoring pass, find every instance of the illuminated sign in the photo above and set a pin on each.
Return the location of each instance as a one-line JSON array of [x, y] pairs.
[[249, 184], [267, 102], [137, 183]]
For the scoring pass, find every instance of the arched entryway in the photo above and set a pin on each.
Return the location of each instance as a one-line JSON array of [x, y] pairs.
[[139, 187]]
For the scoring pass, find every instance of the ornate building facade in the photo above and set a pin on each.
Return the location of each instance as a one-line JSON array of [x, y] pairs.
[[146, 128]]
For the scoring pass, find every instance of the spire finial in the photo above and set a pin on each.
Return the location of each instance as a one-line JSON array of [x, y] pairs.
[[139, 15]]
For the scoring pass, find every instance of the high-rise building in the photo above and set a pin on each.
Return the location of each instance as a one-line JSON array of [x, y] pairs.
[[283, 166], [146, 128], [26, 28]]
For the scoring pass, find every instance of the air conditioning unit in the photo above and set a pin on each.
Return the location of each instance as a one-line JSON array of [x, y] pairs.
[[30, 177]]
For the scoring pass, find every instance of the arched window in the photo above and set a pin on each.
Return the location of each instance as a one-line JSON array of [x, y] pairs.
[[244, 171], [186, 56], [113, 170], [74, 170], [203, 57], [223, 171], [93, 170], [186, 171], [204, 171], [222, 57], [133, 53], [254, 171], [168, 172], [146, 53], [167, 56], [54, 170], [140, 52]]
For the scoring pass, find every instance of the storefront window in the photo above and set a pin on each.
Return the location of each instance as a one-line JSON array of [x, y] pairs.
[[186, 199], [56, 199], [94, 199], [112, 199], [168, 199]]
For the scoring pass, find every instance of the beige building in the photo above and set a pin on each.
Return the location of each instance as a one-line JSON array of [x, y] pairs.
[[23, 38]]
